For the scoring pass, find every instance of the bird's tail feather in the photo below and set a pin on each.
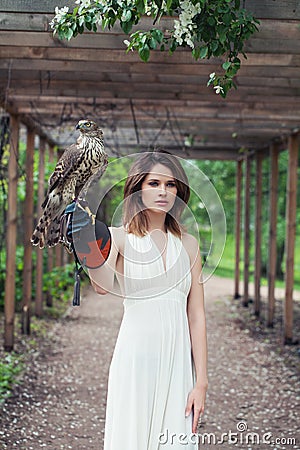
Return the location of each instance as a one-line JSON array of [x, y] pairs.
[[53, 234], [39, 235]]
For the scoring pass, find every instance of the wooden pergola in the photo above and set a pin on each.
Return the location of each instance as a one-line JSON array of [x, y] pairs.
[[47, 85]]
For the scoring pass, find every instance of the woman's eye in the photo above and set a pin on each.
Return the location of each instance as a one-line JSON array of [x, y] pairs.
[[153, 183], [171, 184]]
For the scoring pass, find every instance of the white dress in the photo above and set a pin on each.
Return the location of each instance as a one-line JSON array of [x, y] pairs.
[[152, 369]]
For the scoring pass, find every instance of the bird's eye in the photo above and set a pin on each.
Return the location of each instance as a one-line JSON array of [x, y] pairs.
[[88, 124]]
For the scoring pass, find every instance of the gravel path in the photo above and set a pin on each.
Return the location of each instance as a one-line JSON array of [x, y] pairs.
[[253, 380]]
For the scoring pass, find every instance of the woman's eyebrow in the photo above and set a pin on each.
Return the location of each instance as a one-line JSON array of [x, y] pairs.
[[156, 179]]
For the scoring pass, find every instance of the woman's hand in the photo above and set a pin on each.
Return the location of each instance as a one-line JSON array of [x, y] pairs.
[[196, 400], [98, 288]]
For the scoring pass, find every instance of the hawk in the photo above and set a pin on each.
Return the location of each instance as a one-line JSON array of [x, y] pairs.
[[78, 166]]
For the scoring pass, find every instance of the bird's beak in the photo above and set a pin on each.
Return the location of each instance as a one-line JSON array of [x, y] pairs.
[[77, 127]]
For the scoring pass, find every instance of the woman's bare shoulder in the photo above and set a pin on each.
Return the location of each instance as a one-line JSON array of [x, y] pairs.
[[118, 236], [191, 244]]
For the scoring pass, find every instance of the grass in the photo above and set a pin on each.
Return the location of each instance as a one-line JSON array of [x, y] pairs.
[[11, 366], [227, 264]]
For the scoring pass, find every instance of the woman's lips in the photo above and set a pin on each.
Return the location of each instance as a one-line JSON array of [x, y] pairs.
[[161, 202]]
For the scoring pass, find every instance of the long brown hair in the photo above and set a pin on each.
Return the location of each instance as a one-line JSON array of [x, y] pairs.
[[134, 217]]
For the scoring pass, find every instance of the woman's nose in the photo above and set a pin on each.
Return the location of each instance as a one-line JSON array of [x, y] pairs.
[[163, 189]]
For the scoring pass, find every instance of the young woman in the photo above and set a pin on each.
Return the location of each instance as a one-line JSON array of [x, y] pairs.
[[158, 373]]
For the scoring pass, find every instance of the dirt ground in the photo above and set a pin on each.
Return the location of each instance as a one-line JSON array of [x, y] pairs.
[[253, 379]]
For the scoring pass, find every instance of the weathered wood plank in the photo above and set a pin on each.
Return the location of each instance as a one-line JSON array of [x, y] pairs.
[[114, 41], [267, 115], [273, 200], [274, 9], [137, 90], [183, 106], [119, 56], [186, 121], [148, 78], [24, 21], [28, 227], [11, 235], [28, 21], [152, 69], [39, 259], [258, 232], [270, 9], [291, 209], [247, 206], [238, 210]]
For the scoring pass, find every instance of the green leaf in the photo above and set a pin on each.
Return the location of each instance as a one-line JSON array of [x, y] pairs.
[[89, 26], [226, 65], [196, 53], [126, 16], [144, 53], [211, 21], [126, 26], [140, 6], [169, 4], [203, 52], [157, 34], [152, 43], [69, 33]]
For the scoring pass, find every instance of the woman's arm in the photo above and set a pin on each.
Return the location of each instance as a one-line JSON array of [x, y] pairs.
[[102, 279], [197, 326]]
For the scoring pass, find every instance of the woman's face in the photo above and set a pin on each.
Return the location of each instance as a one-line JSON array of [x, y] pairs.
[[159, 189]]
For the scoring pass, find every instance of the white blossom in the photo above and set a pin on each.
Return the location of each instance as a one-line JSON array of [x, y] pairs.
[[185, 27], [59, 14], [219, 89], [83, 3]]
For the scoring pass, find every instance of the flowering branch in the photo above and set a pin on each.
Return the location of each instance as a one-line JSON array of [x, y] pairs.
[[208, 27]]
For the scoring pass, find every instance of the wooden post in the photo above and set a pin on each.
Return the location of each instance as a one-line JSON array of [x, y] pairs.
[[39, 263], [49, 299], [291, 205], [274, 153], [28, 228], [238, 204], [11, 235], [247, 230], [258, 229], [58, 248]]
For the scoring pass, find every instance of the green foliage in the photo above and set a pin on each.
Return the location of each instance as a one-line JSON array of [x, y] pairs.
[[211, 28], [59, 281], [10, 367]]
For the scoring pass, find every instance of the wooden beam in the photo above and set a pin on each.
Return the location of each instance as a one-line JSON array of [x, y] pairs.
[[274, 9], [258, 231], [116, 57], [238, 206], [49, 298], [247, 207], [291, 205], [145, 77], [269, 9], [18, 63], [274, 153], [39, 263], [28, 228], [260, 42], [11, 235], [110, 89]]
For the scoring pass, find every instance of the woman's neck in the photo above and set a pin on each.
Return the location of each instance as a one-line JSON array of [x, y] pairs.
[[156, 221]]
